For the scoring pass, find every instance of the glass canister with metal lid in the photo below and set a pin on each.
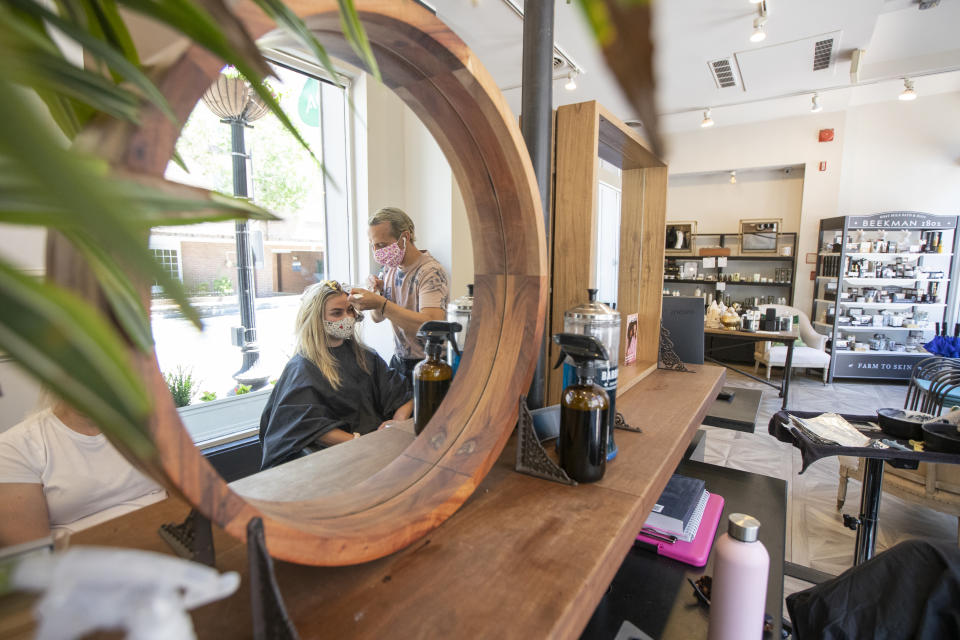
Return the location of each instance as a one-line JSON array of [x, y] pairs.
[[596, 319], [459, 311]]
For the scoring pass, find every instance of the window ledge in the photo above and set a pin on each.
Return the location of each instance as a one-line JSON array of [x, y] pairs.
[[222, 421]]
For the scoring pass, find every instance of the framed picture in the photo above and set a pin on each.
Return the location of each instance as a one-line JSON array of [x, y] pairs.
[[630, 353], [760, 235], [679, 240]]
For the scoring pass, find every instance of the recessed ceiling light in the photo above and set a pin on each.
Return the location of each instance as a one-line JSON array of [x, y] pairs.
[[755, 1], [816, 107], [758, 35], [707, 120], [733, 177], [908, 92], [571, 83]]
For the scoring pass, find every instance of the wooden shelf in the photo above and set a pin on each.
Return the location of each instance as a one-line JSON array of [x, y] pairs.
[[500, 567]]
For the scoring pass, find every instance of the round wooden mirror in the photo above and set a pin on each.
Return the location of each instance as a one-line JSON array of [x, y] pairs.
[[435, 74]]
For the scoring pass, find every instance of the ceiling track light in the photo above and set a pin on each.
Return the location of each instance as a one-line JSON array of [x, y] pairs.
[[707, 120], [759, 35], [733, 177], [815, 106], [571, 83], [908, 93]]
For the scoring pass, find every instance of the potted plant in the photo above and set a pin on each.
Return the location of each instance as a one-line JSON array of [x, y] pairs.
[[77, 350]]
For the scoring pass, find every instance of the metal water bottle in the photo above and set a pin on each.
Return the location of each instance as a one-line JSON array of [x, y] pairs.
[[738, 594]]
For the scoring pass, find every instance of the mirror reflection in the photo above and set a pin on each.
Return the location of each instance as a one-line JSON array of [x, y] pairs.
[[312, 323]]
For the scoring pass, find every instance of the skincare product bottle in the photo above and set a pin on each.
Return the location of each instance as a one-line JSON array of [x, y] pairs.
[[584, 409], [432, 376]]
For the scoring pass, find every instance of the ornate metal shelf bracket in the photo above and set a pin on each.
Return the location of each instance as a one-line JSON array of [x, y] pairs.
[[532, 458], [191, 539], [270, 618], [668, 357]]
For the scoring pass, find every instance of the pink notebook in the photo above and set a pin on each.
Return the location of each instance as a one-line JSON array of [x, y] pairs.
[[696, 551]]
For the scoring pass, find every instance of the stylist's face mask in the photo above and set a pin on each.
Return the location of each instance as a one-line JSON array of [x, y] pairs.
[[342, 328], [391, 255]]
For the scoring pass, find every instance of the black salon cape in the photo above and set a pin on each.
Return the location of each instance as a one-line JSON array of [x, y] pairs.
[[909, 591], [303, 405]]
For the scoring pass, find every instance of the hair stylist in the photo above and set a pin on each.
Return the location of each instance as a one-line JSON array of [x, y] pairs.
[[413, 287]]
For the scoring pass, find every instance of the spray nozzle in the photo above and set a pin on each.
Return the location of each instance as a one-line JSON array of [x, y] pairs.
[[582, 349], [434, 332]]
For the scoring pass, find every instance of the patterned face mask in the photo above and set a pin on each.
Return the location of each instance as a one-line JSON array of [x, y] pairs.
[[391, 255], [342, 328]]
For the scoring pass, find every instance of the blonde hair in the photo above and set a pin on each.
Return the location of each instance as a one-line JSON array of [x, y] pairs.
[[313, 343], [398, 219]]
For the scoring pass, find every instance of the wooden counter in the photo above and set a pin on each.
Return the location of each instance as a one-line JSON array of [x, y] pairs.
[[523, 558]]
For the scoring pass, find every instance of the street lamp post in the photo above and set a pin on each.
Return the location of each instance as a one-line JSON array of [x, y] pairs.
[[232, 100]]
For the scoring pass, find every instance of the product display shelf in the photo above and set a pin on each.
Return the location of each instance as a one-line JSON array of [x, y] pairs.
[[857, 244], [902, 254], [738, 262], [882, 305]]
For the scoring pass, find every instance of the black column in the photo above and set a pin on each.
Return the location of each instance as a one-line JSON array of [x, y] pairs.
[[536, 118], [249, 372]]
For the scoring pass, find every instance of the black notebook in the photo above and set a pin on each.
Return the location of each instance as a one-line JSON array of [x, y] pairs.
[[680, 507]]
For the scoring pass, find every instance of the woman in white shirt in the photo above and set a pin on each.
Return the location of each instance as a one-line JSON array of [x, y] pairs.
[[58, 472]]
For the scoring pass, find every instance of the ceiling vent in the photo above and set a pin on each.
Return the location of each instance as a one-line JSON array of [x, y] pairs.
[[558, 63], [822, 53], [723, 73]]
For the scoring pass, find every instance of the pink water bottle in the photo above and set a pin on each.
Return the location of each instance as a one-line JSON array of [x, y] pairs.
[[738, 593]]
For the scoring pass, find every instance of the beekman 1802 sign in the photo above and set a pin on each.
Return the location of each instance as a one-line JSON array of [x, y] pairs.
[[902, 220]]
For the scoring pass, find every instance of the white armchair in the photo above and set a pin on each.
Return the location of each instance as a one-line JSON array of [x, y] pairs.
[[811, 356]]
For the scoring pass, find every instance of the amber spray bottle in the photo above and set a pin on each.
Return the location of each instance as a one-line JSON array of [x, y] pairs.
[[584, 409], [432, 376]]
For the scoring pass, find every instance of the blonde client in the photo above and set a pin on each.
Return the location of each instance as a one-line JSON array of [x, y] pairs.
[[334, 388]]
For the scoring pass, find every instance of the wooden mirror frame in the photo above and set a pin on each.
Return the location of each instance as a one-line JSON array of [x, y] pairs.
[[438, 77]]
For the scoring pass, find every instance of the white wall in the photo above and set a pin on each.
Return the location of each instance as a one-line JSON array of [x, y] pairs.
[[903, 156], [718, 206], [774, 143]]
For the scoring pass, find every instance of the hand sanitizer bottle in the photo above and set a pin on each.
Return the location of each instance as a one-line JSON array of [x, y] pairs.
[[738, 593]]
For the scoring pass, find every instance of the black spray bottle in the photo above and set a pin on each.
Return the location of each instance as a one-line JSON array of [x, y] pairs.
[[584, 410], [432, 376]]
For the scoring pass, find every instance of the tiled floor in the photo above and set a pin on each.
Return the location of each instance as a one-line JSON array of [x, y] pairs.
[[816, 536]]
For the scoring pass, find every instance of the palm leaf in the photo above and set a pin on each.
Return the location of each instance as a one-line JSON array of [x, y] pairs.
[[55, 336], [227, 40], [102, 50], [30, 59], [73, 183], [356, 36], [283, 16]]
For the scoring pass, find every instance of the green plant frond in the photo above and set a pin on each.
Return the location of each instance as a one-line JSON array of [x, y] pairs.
[[120, 292], [228, 40], [284, 17], [113, 58], [356, 36], [63, 342], [72, 183], [113, 28]]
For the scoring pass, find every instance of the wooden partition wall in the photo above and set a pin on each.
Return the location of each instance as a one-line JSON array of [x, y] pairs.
[[587, 132]]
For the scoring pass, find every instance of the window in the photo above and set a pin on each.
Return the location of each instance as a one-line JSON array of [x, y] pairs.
[[169, 260], [608, 243], [286, 256]]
